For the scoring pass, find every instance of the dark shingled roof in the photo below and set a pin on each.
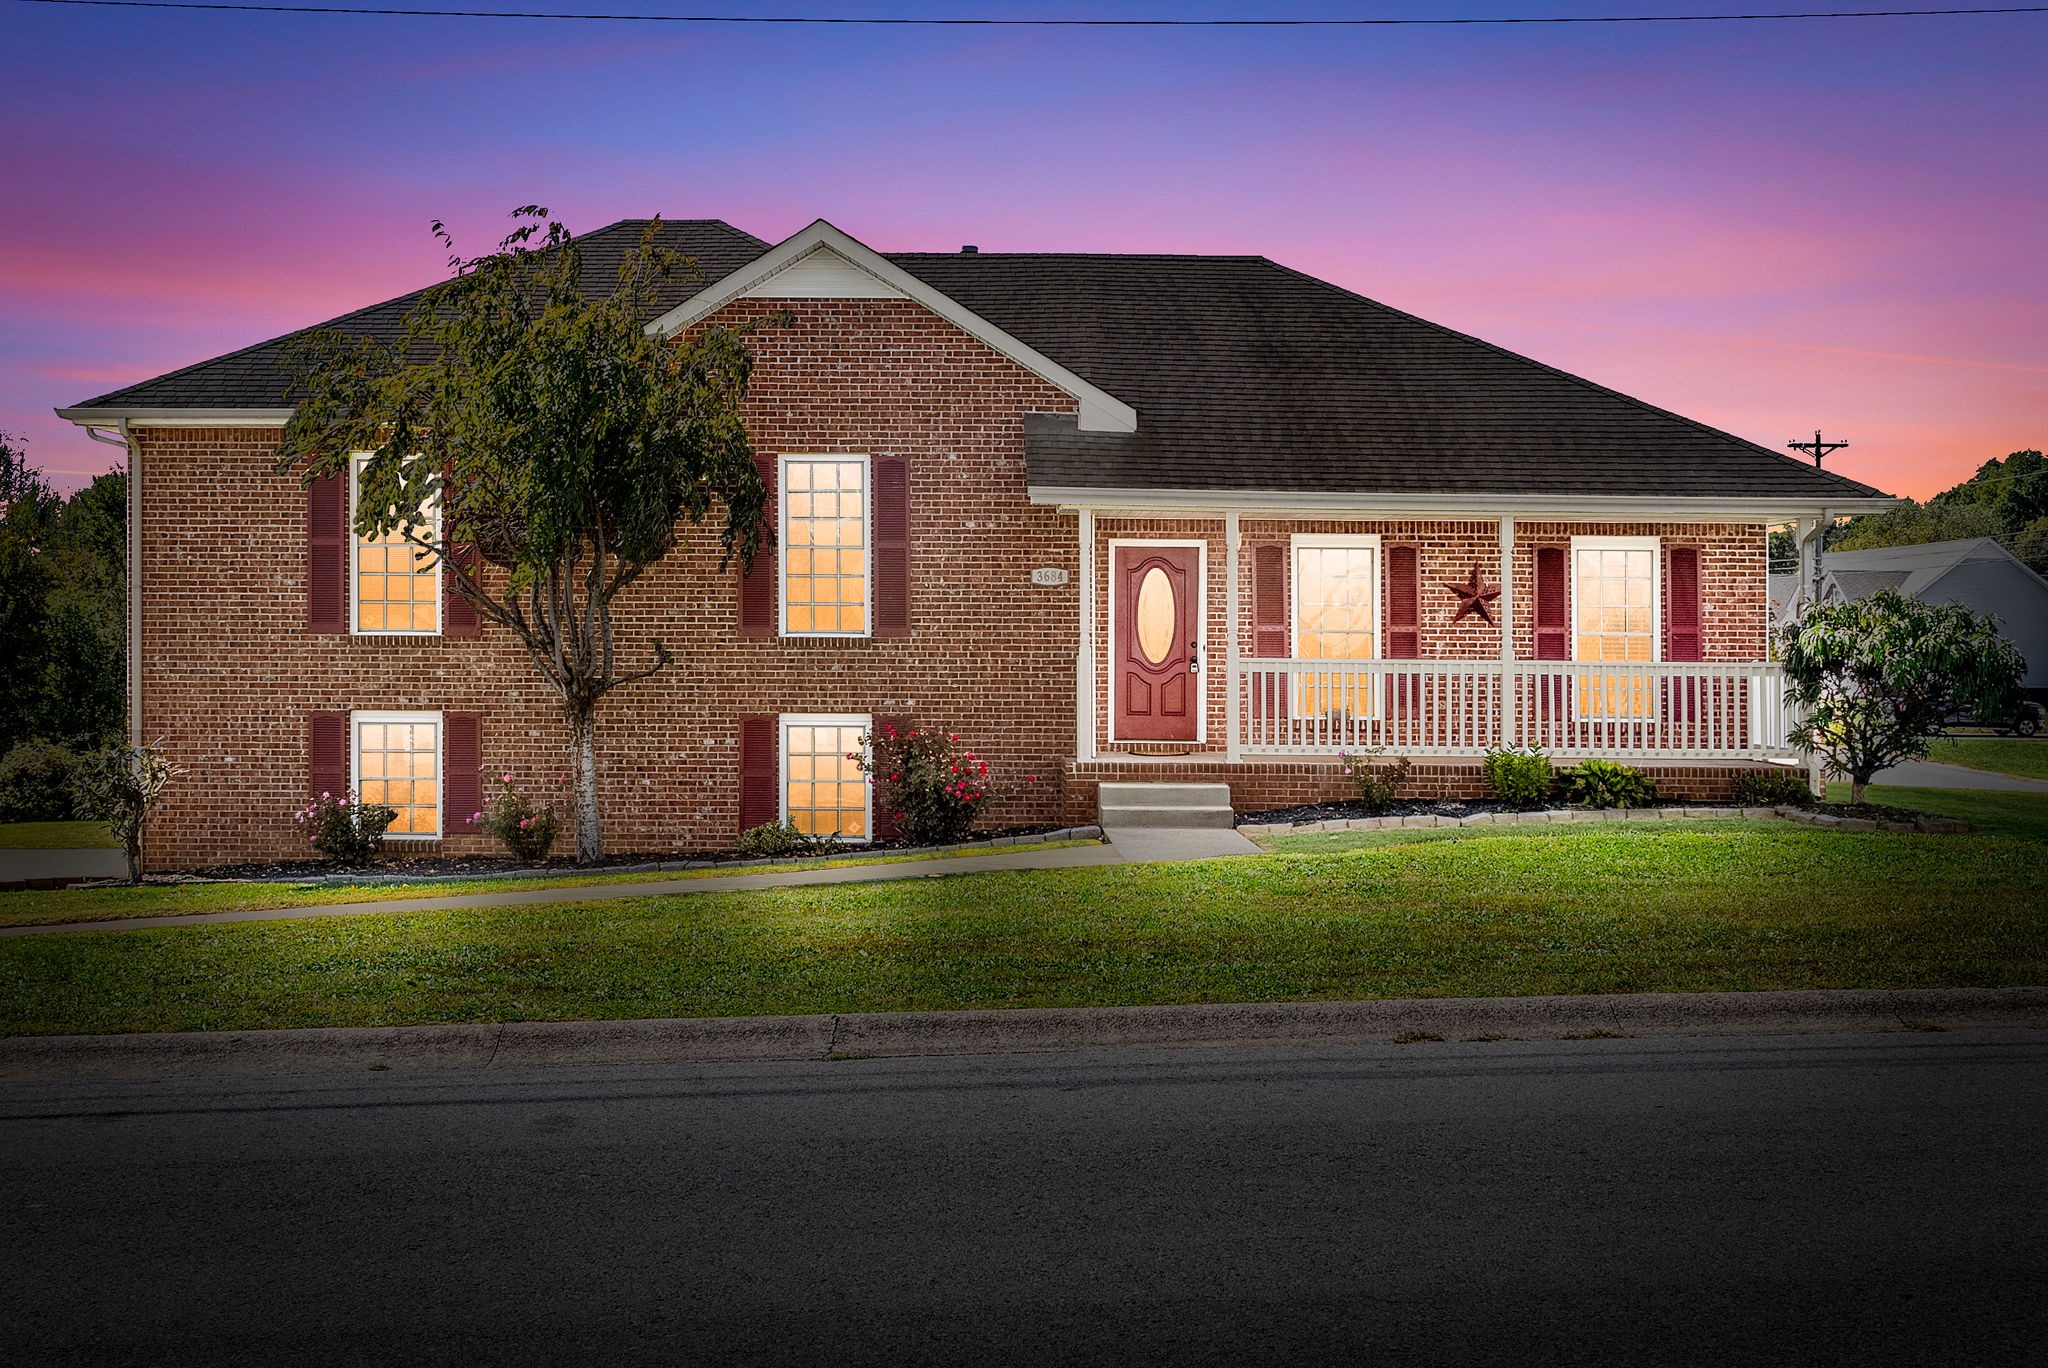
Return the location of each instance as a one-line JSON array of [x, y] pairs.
[[252, 378], [1246, 376]]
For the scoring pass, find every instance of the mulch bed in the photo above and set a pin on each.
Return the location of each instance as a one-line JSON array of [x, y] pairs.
[[1467, 807], [441, 866]]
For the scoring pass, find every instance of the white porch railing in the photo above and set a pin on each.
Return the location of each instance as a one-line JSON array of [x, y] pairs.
[[1465, 707]]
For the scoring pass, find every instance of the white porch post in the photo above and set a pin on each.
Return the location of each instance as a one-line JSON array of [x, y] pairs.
[[1084, 670], [1812, 537], [1232, 705], [1510, 705]]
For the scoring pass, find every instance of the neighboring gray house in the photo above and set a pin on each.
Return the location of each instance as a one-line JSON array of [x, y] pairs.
[[1978, 573]]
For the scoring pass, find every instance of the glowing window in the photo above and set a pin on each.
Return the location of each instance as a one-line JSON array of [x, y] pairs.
[[1614, 618], [825, 546], [1336, 617], [824, 792], [397, 585], [398, 764]]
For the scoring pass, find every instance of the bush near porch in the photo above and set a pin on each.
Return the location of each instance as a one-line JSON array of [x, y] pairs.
[[1595, 908]]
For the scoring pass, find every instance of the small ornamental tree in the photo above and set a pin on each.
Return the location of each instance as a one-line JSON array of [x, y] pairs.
[[560, 444], [119, 785], [1877, 677]]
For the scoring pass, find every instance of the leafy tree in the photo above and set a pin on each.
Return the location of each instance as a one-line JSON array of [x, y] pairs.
[[1876, 678], [2006, 499], [1914, 524], [27, 510], [572, 444]]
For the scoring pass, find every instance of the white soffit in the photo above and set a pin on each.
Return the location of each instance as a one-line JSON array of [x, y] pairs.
[[823, 263]]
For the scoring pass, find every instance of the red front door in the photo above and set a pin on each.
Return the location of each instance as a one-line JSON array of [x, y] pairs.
[[1156, 652]]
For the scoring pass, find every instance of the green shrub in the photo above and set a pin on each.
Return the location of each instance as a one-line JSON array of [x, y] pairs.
[[36, 783], [1772, 788], [120, 785], [1518, 777], [772, 840], [1605, 784], [524, 822], [343, 830], [930, 784], [1379, 785]]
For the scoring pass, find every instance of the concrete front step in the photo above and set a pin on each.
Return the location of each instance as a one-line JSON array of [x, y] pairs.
[[1164, 795], [1165, 806], [1166, 818]]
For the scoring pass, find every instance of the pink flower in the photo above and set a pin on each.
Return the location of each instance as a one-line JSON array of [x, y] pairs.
[[508, 778], [476, 816], [1030, 778], [325, 795]]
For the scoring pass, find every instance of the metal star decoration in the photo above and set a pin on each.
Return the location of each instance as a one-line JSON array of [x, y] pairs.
[[1473, 597]]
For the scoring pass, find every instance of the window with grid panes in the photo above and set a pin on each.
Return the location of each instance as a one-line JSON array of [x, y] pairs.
[[397, 586], [825, 546], [398, 765], [824, 792], [1614, 618]]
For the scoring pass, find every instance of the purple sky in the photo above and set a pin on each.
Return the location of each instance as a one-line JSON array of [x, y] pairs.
[[1767, 226]]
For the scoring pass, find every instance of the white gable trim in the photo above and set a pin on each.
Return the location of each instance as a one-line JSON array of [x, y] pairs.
[[1100, 411]]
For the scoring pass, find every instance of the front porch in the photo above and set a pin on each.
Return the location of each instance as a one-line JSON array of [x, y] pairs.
[[1255, 649]]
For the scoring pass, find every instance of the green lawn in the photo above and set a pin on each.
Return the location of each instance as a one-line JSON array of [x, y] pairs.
[[2001, 754], [55, 906], [56, 836], [1570, 909]]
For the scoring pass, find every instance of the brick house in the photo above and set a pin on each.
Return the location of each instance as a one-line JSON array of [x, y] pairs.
[[1107, 517]]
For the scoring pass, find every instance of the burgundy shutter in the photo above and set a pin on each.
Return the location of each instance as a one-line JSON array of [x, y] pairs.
[[327, 754], [887, 824], [1682, 603], [757, 585], [462, 787], [1404, 603], [892, 546], [1553, 605], [327, 554], [458, 614], [760, 770], [1269, 601]]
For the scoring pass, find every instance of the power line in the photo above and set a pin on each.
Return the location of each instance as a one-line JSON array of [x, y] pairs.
[[921, 22]]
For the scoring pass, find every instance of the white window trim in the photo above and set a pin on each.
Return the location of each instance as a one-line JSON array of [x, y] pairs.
[[783, 722], [355, 470], [1201, 631], [867, 521], [355, 765], [1653, 545]]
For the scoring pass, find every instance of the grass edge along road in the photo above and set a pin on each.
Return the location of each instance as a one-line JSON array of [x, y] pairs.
[[1999, 754], [1582, 908]]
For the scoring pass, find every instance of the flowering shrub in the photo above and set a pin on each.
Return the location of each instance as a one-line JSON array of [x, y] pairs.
[[344, 830], [927, 782], [1379, 785], [120, 785], [524, 822]]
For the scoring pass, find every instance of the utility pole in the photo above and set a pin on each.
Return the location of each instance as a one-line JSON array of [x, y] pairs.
[[1816, 448]]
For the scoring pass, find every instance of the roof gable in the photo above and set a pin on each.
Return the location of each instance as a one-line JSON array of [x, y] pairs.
[[822, 258]]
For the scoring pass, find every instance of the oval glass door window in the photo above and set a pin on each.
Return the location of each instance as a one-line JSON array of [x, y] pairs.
[[1155, 614]]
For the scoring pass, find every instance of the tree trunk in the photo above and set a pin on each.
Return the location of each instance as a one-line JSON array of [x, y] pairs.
[[132, 848], [1856, 783], [583, 737]]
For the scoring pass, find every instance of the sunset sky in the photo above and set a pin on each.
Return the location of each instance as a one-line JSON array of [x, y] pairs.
[[1766, 226]]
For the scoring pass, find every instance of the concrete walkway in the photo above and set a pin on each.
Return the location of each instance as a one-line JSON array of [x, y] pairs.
[[1066, 857], [1929, 774], [862, 1035]]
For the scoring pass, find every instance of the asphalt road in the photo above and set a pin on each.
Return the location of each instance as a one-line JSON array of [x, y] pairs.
[[1860, 1200]]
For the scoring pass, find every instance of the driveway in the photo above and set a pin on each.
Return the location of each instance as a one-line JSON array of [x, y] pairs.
[[1929, 774], [28, 866]]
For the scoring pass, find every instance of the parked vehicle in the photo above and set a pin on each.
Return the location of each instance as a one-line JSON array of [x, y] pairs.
[[2026, 719]]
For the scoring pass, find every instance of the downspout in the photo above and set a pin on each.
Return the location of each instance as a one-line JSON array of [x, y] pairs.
[[126, 441]]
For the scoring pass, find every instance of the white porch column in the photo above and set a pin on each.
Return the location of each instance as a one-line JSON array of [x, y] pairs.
[[1232, 705], [1811, 537], [1510, 705], [1084, 668]]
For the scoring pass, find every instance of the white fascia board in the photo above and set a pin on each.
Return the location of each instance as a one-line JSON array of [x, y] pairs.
[[176, 417], [1551, 507], [1100, 411]]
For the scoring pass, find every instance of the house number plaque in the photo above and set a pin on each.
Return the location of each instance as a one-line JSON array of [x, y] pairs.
[[1050, 575]]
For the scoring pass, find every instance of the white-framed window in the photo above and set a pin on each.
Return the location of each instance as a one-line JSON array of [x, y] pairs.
[[394, 586], [826, 524], [397, 761], [1616, 584], [824, 792], [1336, 616]]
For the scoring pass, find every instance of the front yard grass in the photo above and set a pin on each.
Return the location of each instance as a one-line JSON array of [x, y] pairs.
[[1999, 754], [56, 836], [1607, 908], [55, 906]]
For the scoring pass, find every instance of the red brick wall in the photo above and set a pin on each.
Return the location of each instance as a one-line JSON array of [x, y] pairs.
[[229, 672]]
